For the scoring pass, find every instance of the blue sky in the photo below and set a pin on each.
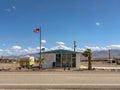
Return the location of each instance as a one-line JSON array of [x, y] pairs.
[[92, 24]]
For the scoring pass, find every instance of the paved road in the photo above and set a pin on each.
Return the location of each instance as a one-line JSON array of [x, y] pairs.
[[64, 80]]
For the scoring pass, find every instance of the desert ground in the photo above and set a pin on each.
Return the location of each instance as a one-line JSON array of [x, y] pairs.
[[84, 64], [100, 64]]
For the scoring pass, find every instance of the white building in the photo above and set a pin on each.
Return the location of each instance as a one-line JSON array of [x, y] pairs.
[[61, 58]]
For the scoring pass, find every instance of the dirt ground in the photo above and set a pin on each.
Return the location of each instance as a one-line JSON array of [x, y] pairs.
[[14, 66], [8, 65], [100, 64]]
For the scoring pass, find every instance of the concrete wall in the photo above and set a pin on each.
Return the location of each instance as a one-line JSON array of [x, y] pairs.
[[48, 60], [78, 61]]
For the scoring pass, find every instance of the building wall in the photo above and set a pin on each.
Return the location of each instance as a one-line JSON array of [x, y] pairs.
[[78, 61], [48, 60]]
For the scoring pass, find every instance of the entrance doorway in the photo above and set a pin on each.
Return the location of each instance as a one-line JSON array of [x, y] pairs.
[[68, 60]]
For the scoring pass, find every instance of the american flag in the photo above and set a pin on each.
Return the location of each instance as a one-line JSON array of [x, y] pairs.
[[36, 30]]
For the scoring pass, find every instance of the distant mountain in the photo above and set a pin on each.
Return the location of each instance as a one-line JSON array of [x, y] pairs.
[[96, 54], [13, 56], [105, 54]]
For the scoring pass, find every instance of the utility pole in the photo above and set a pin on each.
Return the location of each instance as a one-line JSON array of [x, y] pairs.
[[75, 46], [109, 55]]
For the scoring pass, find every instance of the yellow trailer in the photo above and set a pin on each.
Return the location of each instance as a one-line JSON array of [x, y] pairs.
[[27, 62]]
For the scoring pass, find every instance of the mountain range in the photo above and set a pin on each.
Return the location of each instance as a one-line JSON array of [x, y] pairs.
[[96, 54], [107, 54]]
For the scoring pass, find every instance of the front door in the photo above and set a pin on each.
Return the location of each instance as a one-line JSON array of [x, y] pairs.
[[66, 60], [58, 60]]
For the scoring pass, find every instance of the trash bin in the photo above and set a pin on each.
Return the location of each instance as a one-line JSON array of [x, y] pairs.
[[54, 64]]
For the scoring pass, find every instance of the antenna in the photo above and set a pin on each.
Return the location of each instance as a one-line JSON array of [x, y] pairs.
[[75, 46]]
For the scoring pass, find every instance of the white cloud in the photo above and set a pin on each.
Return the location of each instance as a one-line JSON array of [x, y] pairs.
[[18, 50], [61, 47], [7, 10], [97, 23], [113, 47], [96, 48], [1, 50], [16, 47], [80, 49], [60, 43], [43, 41], [32, 50], [25, 50], [10, 9], [13, 7]]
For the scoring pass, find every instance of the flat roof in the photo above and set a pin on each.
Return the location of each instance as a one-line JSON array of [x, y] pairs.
[[61, 51]]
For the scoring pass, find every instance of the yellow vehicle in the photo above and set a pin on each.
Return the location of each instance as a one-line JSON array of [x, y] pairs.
[[27, 62]]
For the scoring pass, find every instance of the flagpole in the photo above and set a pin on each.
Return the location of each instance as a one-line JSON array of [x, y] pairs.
[[40, 66], [38, 30], [40, 41]]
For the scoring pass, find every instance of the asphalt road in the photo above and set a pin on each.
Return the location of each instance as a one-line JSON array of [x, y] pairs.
[[60, 80]]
